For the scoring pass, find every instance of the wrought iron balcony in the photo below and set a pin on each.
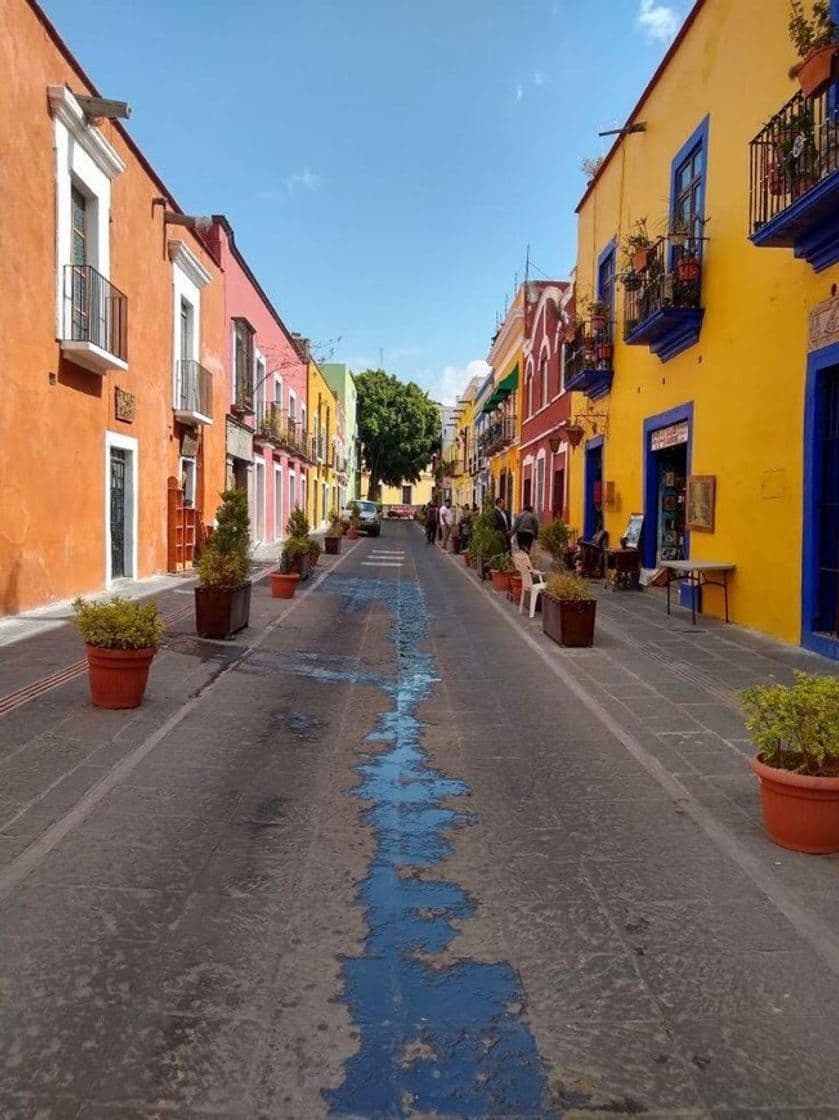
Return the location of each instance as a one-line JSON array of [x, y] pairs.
[[270, 424], [663, 304], [589, 358], [95, 320], [193, 393], [498, 435], [794, 195]]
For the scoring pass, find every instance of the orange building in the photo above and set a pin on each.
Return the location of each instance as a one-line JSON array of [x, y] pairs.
[[112, 320]]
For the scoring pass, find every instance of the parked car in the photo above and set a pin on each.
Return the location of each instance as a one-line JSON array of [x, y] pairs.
[[371, 517], [403, 512]]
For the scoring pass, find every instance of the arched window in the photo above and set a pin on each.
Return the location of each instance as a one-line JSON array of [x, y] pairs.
[[544, 375]]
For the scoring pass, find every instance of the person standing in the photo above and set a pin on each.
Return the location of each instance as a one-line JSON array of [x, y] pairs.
[[526, 528], [431, 522], [465, 527], [446, 518], [502, 521]]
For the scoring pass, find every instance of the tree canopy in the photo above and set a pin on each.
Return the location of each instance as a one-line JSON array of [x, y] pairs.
[[398, 426]]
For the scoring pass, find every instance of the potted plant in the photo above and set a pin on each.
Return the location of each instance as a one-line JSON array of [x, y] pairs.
[[553, 537], [568, 613], [515, 586], [315, 551], [487, 541], [121, 638], [500, 567], [631, 280], [817, 42], [332, 538], [355, 521], [223, 596], [284, 581], [598, 311], [637, 246], [796, 731]]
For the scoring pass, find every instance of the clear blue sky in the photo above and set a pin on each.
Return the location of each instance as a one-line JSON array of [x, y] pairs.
[[384, 162]]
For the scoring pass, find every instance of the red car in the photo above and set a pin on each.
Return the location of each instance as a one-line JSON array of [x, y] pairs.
[[401, 511]]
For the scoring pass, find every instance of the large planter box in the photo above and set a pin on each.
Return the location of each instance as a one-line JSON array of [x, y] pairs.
[[333, 545], [301, 566], [569, 622], [222, 611]]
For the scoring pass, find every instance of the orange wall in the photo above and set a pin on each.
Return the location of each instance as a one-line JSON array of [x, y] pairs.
[[52, 436]]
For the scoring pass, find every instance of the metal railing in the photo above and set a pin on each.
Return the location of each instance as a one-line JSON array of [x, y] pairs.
[[275, 425], [194, 389], [499, 434], [592, 348], [672, 279], [95, 311], [796, 149]]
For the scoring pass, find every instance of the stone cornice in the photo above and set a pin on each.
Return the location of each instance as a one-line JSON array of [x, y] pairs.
[[66, 109], [182, 256]]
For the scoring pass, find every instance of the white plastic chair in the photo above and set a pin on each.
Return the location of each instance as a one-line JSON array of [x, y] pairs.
[[532, 580]]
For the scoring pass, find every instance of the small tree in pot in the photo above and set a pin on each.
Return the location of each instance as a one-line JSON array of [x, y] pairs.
[[355, 520], [553, 537], [796, 731], [332, 538], [315, 551], [569, 611], [284, 581], [121, 637], [223, 597], [297, 529]]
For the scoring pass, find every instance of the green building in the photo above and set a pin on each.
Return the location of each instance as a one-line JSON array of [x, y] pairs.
[[339, 378]]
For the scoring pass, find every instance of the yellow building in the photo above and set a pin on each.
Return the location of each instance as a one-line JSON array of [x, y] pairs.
[[706, 408], [463, 452], [414, 494], [322, 487]]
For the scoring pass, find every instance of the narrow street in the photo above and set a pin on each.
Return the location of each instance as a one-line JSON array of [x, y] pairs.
[[392, 853]]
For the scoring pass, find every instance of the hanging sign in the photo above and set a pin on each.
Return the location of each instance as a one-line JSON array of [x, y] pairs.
[[669, 437], [824, 324], [189, 444]]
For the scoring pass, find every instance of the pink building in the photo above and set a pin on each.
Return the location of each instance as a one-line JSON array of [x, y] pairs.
[[268, 450]]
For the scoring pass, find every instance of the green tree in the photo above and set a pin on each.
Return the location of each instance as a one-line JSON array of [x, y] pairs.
[[398, 426]]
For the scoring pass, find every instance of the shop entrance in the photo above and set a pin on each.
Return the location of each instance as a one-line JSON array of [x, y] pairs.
[[594, 489], [666, 469], [820, 592]]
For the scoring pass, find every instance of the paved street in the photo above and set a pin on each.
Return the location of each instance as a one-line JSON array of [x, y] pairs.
[[393, 853]]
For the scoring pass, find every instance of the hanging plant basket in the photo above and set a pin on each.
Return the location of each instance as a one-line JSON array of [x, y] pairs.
[[631, 281]]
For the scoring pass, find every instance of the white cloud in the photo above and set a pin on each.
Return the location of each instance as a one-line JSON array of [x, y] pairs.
[[305, 179], [403, 352], [519, 92], [452, 380], [540, 78], [658, 21]]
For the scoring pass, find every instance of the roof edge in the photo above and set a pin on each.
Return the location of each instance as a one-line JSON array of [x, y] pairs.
[[690, 18]]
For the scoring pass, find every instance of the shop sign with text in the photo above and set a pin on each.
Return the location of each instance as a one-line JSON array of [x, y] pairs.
[[669, 437]]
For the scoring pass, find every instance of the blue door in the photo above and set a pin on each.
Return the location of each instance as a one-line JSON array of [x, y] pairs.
[[826, 618], [594, 489]]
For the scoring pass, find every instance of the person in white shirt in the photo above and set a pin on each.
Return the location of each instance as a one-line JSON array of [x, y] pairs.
[[446, 519]]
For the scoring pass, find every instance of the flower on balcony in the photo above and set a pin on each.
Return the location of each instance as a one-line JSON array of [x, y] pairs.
[[817, 42]]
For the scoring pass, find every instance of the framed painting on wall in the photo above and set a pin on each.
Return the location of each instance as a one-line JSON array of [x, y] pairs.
[[700, 502]]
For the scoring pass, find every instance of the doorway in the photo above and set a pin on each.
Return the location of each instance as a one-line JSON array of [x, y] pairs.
[[820, 584], [120, 507], [525, 497], [558, 494], [259, 499], [667, 458], [592, 515]]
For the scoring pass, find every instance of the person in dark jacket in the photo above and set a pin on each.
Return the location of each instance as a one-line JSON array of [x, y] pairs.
[[526, 528], [431, 517], [502, 522]]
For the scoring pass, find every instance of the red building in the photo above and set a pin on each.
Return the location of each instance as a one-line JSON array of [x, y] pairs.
[[545, 403]]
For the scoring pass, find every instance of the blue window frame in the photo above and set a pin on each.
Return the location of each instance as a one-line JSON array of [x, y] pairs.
[[606, 268], [688, 174]]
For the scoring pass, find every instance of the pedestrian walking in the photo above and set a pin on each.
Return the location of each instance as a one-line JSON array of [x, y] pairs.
[[465, 528], [502, 521], [526, 528], [431, 522], [446, 521]]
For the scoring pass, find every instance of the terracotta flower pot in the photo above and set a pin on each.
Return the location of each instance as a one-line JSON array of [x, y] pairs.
[[598, 323], [569, 622], [283, 585], [641, 259], [118, 677], [515, 588], [687, 269], [333, 545], [222, 611], [500, 580], [799, 812], [352, 533], [816, 70]]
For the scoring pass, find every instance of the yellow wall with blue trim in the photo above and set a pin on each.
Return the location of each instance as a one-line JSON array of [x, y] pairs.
[[746, 375]]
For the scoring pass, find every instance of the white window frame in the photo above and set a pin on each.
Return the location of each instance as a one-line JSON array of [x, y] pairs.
[[539, 483], [188, 462], [292, 405], [188, 278], [292, 492], [259, 465], [278, 396], [278, 501], [259, 376], [125, 443]]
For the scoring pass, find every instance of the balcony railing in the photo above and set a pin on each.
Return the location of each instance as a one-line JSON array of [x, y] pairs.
[[95, 327], [499, 434], [274, 425], [194, 393], [794, 189], [663, 304], [589, 358]]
